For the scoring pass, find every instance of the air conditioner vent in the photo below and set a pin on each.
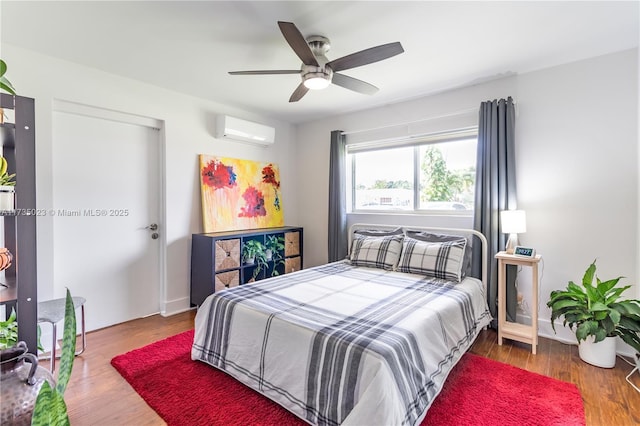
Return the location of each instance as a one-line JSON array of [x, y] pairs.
[[228, 127]]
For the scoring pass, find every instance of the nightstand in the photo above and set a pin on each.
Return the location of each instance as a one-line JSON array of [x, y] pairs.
[[511, 330]]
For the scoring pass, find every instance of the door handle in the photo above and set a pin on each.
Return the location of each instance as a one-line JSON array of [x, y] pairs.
[[152, 227]]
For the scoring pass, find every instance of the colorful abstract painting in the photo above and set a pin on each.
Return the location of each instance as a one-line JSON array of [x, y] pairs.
[[239, 194]]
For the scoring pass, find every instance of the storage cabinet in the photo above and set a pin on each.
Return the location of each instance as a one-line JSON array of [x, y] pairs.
[[217, 259], [19, 285]]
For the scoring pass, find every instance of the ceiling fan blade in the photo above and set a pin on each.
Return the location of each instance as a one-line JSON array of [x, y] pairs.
[[367, 56], [264, 72], [297, 94], [298, 43], [354, 84]]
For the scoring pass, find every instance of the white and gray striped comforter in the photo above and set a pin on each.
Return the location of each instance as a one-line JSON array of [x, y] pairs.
[[338, 344]]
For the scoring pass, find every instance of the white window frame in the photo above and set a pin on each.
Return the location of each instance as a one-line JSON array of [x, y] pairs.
[[415, 142]]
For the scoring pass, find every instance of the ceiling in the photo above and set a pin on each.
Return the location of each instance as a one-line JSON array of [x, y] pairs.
[[189, 47]]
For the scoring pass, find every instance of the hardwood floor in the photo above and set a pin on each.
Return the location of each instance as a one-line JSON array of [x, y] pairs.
[[98, 395]]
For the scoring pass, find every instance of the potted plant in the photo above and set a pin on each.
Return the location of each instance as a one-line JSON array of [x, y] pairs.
[[9, 331], [50, 408], [7, 187], [597, 316], [5, 85], [274, 246], [40, 398], [254, 253], [252, 249]]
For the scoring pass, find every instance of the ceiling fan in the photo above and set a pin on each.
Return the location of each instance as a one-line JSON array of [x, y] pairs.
[[317, 71]]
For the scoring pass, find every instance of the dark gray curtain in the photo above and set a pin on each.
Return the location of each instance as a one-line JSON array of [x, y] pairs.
[[337, 198], [496, 191]]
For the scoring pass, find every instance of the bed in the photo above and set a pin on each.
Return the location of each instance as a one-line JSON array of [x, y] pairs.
[[368, 340]]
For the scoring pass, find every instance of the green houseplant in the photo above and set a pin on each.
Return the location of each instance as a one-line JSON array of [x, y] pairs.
[[252, 249], [9, 331], [597, 311], [275, 246], [254, 252], [50, 408], [6, 179], [4, 83]]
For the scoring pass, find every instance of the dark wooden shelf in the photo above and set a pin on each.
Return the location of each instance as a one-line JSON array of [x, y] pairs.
[[203, 259], [18, 147]]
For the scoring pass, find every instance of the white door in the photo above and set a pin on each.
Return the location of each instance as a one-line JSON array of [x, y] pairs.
[[106, 187]]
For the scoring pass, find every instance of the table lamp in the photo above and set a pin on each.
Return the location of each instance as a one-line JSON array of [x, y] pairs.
[[513, 222]]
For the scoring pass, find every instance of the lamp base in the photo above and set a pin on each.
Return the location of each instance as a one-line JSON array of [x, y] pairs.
[[512, 242]]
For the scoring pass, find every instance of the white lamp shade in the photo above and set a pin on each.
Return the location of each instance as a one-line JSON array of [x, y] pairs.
[[513, 221]]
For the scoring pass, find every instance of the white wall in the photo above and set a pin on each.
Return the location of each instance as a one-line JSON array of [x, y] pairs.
[[577, 167], [188, 131], [578, 171]]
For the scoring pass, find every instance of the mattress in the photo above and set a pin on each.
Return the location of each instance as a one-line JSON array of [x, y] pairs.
[[340, 344]]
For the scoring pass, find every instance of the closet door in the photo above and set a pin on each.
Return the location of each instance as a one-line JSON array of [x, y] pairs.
[[106, 199]]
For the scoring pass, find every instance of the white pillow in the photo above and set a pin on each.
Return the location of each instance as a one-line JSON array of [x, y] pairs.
[[376, 252], [442, 260]]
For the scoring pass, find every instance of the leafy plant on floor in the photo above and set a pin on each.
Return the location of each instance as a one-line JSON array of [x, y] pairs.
[[50, 408], [595, 310]]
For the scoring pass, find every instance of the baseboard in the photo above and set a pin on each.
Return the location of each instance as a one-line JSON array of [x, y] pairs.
[[176, 306]]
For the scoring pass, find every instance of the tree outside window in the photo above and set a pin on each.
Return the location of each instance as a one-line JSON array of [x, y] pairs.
[[435, 176]]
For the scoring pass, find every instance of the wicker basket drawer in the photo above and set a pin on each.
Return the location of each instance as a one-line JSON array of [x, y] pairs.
[[227, 280], [291, 243], [227, 254], [292, 264]]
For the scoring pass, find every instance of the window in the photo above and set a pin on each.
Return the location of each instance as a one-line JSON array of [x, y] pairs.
[[431, 174]]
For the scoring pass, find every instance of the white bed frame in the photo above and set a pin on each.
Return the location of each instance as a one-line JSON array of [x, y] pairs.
[[455, 231]]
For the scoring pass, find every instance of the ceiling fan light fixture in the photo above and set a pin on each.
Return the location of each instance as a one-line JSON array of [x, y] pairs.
[[317, 82], [316, 78]]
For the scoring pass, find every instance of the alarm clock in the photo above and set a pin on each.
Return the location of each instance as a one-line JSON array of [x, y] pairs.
[[524, 251]]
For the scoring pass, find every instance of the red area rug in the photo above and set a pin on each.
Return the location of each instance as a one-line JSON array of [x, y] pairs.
[[478, 392]]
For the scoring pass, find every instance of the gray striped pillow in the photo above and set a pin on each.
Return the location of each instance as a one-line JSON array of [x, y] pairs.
[[442, 260], [376, 252]]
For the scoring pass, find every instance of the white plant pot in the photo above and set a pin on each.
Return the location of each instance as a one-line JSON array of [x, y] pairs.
[[7, 198], [601, 354]]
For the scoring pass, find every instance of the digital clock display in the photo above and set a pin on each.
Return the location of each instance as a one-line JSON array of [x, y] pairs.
[[524, 251]]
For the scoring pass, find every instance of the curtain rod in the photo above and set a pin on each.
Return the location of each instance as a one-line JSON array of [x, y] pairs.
[[451, 114]]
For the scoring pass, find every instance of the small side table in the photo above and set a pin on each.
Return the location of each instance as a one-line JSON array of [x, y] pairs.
[[52, 311], [512, 330]]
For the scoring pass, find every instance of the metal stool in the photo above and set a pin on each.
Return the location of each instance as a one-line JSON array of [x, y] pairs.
[[52, 311]]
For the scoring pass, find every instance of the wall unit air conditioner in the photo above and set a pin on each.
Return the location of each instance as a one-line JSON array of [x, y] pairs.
[[242, 130]]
